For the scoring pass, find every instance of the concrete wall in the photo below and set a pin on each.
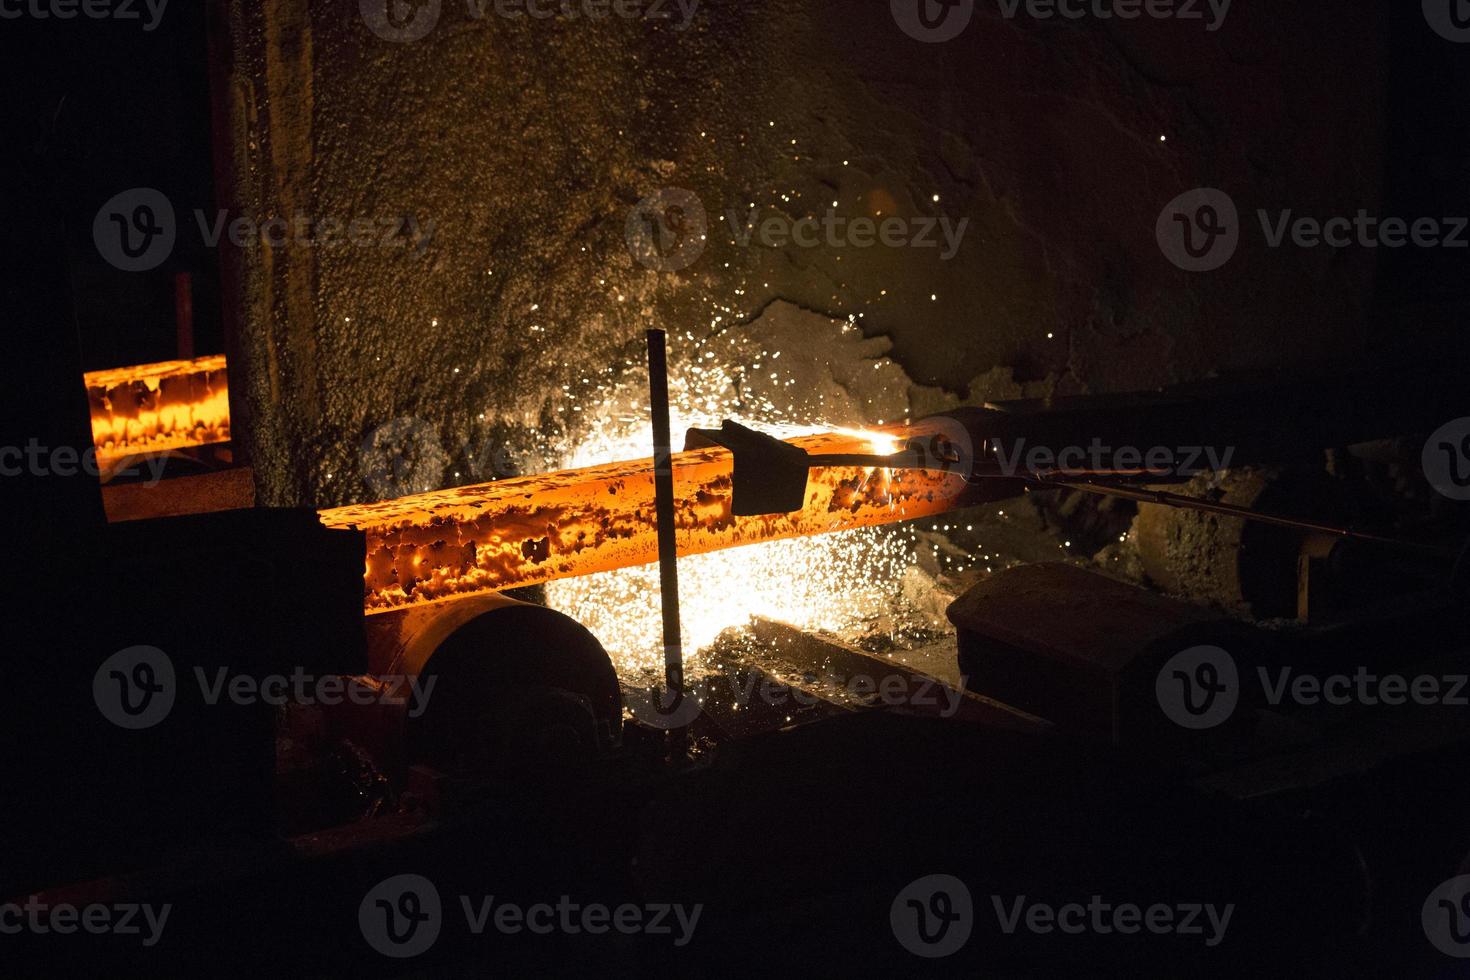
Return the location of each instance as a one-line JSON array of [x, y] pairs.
[[525, 144]]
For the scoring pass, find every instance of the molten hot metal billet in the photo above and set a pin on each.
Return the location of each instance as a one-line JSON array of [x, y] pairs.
[[156, 407], [534, 529]]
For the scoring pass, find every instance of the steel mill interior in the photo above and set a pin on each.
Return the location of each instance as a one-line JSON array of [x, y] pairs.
[[704, 488]]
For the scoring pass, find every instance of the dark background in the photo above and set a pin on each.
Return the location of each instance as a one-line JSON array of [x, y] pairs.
[[113, 107], [106, 106]]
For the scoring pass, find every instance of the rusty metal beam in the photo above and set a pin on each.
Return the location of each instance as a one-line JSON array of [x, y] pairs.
[[534, 529]]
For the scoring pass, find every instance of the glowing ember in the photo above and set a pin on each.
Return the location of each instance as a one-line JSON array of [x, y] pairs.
[[156, 407]]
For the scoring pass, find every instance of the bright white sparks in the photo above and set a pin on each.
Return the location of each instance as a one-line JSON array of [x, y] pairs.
[[833, 582]]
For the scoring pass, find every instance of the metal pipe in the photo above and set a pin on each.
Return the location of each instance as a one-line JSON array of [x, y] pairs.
[[663, 505], [1165, 499]]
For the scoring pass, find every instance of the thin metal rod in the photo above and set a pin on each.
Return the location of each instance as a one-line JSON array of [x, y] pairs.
[[663, 505], [910, 460], [1244, 513]]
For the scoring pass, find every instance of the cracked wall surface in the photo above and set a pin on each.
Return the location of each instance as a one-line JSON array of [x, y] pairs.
[[496, 161]]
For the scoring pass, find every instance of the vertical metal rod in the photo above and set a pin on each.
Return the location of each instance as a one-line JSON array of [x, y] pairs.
[[663, 496], [184, 314]]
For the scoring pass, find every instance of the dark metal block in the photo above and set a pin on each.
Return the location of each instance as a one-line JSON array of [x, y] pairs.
[[1084, 650]]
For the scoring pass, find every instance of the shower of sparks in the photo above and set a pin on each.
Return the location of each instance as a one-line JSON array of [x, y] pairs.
[[837, 582]]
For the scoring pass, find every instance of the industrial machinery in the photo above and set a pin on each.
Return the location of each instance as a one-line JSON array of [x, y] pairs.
[[563, 563]]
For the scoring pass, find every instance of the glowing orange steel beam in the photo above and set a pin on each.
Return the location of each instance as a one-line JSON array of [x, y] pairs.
[[155, 407], [534, 529]]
